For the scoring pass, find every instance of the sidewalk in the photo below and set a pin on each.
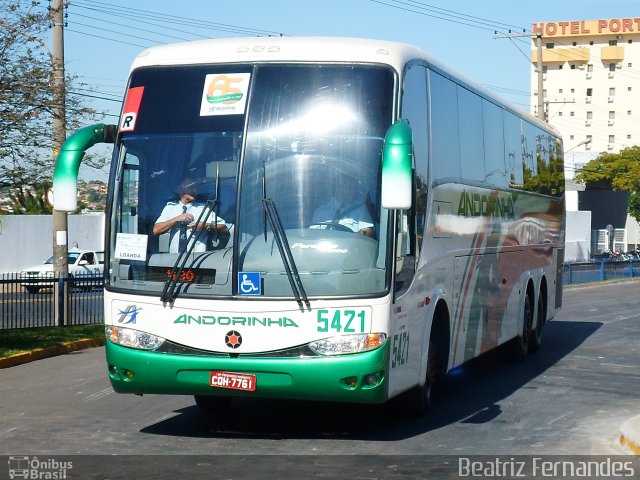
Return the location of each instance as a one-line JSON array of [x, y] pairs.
[[630, 435], [40, 353]]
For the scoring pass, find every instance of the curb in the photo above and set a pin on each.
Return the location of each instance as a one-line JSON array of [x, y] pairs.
[[630, 435], [55, 350]]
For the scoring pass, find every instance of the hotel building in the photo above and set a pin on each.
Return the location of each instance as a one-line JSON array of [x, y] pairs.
[[591, 82]]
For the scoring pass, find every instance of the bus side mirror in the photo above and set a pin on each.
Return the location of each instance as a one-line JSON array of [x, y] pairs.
[[65, 176], [396, 167]]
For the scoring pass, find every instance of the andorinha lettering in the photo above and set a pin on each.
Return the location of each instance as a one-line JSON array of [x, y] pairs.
[[185, 319], [492, 205]]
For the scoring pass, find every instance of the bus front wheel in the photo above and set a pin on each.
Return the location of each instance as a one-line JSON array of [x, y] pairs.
[[420, 398]]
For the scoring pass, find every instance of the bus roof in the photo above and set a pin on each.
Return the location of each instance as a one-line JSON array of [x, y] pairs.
[[308, 49], [280, 49]]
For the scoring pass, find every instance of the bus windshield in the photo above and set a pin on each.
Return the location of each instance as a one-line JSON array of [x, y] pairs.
[[211, 147]]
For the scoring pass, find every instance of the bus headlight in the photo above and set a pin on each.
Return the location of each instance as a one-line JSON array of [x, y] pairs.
[[348, 344], [127, 337]]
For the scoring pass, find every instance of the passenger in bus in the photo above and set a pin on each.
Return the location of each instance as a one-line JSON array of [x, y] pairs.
[[179, 217], [348, 210]]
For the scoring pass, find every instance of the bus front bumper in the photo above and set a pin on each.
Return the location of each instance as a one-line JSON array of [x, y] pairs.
[[355, 378]]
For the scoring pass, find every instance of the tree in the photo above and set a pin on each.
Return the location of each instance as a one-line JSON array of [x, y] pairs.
[[619, 171], [26, 100]]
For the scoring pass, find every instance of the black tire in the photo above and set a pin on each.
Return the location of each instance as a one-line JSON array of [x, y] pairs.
[[31, 289], [419, 399], [211, 403], [521, 342], [536, 336]]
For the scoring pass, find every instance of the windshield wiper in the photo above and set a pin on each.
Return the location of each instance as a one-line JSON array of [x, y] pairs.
[[169, 291], [271, 213], [285, 252]]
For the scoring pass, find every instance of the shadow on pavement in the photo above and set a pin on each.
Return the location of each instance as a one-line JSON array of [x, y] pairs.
[[472, 395]]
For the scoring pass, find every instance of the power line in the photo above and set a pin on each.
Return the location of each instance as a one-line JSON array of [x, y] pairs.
[[129, 13]]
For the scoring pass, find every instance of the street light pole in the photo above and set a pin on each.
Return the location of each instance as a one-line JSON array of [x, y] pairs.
[[60, 240]]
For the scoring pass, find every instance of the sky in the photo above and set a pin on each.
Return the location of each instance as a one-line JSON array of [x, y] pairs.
[[102, 37]]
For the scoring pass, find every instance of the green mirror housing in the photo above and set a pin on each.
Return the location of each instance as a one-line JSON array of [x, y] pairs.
[[65, 176], [396, 167]]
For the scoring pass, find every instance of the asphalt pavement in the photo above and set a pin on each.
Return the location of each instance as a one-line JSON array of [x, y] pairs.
[[629, 429]]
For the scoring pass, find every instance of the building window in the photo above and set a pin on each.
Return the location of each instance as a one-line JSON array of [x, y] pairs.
[[573, 67], [589, 92], [628, 112], [560, 90], [573, 90], [559, 114], [571, 137], [559, 67], [589, 115], [612, 115], [612, 139], [629, 64], [544, 69], [575, 44], [628, 137], [612, 91], [628, 89], [612, 67], [571, 114], [550, 45], [591, 42], [613, 43], [589, 68]]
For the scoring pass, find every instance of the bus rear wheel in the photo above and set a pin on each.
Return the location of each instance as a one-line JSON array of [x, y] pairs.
[[521, 342], [536, 335]]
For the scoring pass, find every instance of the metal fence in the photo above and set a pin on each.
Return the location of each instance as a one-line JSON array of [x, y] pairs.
[[31, 302], [600, 271]]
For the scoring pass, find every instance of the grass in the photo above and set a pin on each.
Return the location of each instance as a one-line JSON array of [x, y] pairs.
[[24, 340]]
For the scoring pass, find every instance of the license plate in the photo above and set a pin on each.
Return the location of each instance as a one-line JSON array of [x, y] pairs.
[[234, 381]]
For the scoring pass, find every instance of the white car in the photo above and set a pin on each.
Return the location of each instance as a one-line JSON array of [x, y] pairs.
[[82, 263]]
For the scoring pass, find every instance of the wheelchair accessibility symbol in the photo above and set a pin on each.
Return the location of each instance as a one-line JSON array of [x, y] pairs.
[[249, 283]]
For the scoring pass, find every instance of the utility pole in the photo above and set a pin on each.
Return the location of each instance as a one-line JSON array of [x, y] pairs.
[[59, 135], [60, 249], [541, 112]]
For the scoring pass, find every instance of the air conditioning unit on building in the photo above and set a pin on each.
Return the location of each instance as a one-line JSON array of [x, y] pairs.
[[589, 75], [610, 75], [587, 146], [599, 240], [610, 146], [587, 123], [581, 67], [610, 99], [611, 122], [620, 240], [587, 100]]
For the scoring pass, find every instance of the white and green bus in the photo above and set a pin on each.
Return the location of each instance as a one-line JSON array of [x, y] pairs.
[[363, 221]]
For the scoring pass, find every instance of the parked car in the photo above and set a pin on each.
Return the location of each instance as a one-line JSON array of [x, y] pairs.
[[84, 266]]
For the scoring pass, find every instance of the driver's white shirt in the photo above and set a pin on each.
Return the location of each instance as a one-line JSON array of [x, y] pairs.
[[355, 216], [173, 209]]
